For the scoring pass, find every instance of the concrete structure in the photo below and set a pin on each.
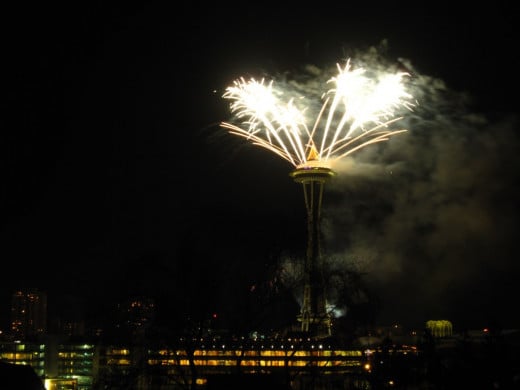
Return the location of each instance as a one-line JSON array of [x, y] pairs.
[[314, 318], [28, 314]]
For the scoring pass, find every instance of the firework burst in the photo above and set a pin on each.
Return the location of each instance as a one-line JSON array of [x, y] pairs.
[[357, 111]]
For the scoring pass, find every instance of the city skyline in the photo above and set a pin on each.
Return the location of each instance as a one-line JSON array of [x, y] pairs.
[[116, 180], [391, 354]]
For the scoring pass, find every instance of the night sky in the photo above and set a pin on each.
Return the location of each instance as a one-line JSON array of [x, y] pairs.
[[117, 179]]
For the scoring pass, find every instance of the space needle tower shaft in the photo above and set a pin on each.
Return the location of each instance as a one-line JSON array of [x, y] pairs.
[[314, 318]]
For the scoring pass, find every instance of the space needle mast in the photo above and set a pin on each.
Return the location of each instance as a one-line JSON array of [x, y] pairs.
[[313, 317]]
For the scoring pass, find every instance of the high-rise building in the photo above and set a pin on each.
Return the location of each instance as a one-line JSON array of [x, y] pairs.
[[28, 313]]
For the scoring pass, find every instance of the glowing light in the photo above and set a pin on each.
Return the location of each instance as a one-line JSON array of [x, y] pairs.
[[357, 111]]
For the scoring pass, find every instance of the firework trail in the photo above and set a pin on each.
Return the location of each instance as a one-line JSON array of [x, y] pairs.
[[357, 111]]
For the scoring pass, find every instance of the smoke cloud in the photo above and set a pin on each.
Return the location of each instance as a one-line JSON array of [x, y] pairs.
[[429, 217]]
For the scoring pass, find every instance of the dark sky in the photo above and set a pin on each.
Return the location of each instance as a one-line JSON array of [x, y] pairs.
[[117, 179]]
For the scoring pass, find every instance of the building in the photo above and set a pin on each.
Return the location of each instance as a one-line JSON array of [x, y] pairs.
[[440, 328], [28, 314], [64, 364]]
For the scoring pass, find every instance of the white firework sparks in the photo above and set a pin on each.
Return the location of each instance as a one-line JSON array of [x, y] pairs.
[[357, 111]]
